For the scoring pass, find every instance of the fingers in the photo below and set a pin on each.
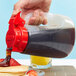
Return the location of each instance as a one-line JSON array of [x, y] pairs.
[[44, 18], [38, 18]]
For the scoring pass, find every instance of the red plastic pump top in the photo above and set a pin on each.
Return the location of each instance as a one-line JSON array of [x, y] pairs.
[[17, 35]]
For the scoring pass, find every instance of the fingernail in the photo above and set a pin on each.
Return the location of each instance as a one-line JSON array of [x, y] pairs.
[[15, 11], [45, 21]]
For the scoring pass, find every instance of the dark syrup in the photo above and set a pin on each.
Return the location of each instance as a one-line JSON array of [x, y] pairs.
[[56, 43], [6, 62]]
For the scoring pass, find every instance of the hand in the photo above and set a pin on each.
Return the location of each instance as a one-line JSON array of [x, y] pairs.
[[38, 7]]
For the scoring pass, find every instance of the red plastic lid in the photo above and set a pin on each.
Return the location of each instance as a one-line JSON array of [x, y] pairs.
[[17, 35]]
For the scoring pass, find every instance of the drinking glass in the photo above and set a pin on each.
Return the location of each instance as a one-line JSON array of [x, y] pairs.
[[41, 62]]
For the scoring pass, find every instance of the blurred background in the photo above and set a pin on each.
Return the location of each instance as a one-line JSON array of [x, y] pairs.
[[64, 7]]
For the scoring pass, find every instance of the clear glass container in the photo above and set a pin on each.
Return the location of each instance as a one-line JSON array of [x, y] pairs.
[[41, 62]]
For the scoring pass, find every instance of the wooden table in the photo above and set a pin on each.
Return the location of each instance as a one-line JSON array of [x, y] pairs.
[[61, 71]]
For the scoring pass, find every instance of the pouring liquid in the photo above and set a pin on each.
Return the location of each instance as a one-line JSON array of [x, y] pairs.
[[6, 61]]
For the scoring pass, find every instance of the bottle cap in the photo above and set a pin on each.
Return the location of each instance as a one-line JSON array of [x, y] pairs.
[[17, 35]]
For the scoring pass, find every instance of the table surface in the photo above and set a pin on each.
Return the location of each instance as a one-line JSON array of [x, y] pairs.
[[60, 67], [60, 71]]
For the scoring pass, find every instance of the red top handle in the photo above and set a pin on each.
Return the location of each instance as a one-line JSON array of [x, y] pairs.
[[17, 20], [17, 35]]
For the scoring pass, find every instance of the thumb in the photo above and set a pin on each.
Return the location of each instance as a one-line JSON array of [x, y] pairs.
[[17, 8]]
